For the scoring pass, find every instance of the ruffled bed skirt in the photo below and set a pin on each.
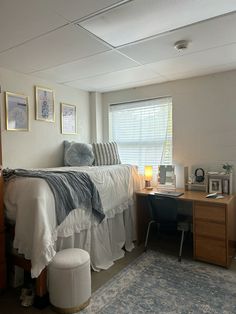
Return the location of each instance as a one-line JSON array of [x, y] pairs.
[[105, 242]]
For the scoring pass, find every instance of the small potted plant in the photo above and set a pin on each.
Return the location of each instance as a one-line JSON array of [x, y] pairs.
[[228, 168]]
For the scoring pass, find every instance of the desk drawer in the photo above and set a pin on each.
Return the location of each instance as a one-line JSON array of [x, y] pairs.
[[210, 229], [210, 250], [210, 212]]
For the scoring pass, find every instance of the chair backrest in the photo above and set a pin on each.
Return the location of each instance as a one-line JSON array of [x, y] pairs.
[[163, 208]]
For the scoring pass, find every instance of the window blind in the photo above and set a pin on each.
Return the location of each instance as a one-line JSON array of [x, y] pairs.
[[143, 131]]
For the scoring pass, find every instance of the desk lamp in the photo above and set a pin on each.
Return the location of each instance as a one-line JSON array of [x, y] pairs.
[[148, 177]]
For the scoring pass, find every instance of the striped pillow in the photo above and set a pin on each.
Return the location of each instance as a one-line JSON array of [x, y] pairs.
[[106, 154]]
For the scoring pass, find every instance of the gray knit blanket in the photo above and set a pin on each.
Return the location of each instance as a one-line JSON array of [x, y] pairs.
[[71, 190]]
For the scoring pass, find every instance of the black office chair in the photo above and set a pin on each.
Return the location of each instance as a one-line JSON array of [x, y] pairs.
[[164, 211]]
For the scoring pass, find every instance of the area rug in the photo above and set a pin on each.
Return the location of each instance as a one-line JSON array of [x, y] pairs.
[[158, 283]]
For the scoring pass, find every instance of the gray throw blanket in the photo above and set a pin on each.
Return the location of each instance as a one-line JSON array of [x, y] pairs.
[[71, 190]]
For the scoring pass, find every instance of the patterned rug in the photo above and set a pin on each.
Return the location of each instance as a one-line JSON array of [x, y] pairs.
[[158, 283]]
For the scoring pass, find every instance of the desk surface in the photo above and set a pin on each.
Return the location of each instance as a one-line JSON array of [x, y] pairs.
[[192, 196]]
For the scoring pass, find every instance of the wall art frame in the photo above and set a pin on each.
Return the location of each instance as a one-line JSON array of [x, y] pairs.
[[45, 104], [17, 112], [68, 119]]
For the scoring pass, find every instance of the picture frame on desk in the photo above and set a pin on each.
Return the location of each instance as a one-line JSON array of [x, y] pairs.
[[225, 186], [215, 185]]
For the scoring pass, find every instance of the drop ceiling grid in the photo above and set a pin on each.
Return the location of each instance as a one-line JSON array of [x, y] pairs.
[[136, 20], [80, 9], [202, 36], [69, 54], [208, 60], [24, 20], [58, 47], [102, 63], [141, 73]]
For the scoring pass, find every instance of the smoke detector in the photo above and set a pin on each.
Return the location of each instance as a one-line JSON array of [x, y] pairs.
[[181, 45]]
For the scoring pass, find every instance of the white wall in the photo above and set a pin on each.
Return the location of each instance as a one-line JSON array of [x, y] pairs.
[[96, 114], [204, 117], [42, 145]]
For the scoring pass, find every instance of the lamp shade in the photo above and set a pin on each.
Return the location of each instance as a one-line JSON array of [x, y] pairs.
[[148, 173]]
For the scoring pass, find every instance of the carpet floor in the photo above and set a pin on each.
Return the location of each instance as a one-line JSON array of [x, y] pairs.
[[157, 283]]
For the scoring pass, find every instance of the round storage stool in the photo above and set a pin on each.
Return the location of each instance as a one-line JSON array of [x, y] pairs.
[[69, 280]]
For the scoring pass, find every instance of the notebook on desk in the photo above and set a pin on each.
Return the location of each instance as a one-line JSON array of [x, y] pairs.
[[169, 193]]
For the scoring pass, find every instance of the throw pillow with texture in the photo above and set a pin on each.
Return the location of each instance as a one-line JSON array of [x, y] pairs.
[[106, 154], [78, 154]]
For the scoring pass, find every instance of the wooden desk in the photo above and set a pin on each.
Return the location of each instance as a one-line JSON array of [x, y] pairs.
[[214, 225]]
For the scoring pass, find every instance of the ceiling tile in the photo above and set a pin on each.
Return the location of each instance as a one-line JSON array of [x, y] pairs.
[[140, 19], [25, 19], [63, 45], [77, 9], [117, 80], [102, 63], [201, 62], [201, 71], [205, 35]]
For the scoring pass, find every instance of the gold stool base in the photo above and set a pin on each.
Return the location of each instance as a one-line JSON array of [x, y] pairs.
[[71, 310]]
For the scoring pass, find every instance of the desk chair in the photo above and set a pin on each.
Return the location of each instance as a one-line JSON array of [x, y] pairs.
[[164, 210]]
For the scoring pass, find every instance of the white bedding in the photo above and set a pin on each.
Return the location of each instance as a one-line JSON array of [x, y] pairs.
[[30, 204]]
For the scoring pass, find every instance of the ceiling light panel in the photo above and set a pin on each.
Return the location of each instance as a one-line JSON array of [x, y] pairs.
[[26, 19], [140, 19], [208, 34], [102, 63], [64, 45]]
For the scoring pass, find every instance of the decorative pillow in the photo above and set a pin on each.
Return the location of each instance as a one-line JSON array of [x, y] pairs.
[[106, 154], [78, 154]]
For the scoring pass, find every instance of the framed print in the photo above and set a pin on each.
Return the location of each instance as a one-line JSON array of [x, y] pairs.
[[215, 186], [45, 104], [68, 119], [17, 112], [225, 186]]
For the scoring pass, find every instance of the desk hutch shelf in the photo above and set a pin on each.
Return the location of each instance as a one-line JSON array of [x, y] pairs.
[[226, 180]]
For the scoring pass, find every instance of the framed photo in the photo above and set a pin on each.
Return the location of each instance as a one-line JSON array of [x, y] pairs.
[[215, 185], [45, 104], [17, 112], [225, 186], [68, 119]]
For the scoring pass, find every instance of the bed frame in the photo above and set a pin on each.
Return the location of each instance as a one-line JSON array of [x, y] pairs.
[[41, 295], [41, 299]]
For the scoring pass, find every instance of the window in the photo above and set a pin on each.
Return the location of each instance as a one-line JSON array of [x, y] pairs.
[[143, 131]]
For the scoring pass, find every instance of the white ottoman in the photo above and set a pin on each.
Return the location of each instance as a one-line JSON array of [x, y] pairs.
[[69, 280]]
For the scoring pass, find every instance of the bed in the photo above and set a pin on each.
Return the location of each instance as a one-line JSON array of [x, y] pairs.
[[30, 206]]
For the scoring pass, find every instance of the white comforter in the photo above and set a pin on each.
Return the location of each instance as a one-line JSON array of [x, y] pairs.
[[30, 204]]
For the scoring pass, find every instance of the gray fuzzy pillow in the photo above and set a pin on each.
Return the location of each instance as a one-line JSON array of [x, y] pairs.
[[78, 154]]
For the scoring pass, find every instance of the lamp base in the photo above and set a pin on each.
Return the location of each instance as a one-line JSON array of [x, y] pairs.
[[149, 188], [148, 185]]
